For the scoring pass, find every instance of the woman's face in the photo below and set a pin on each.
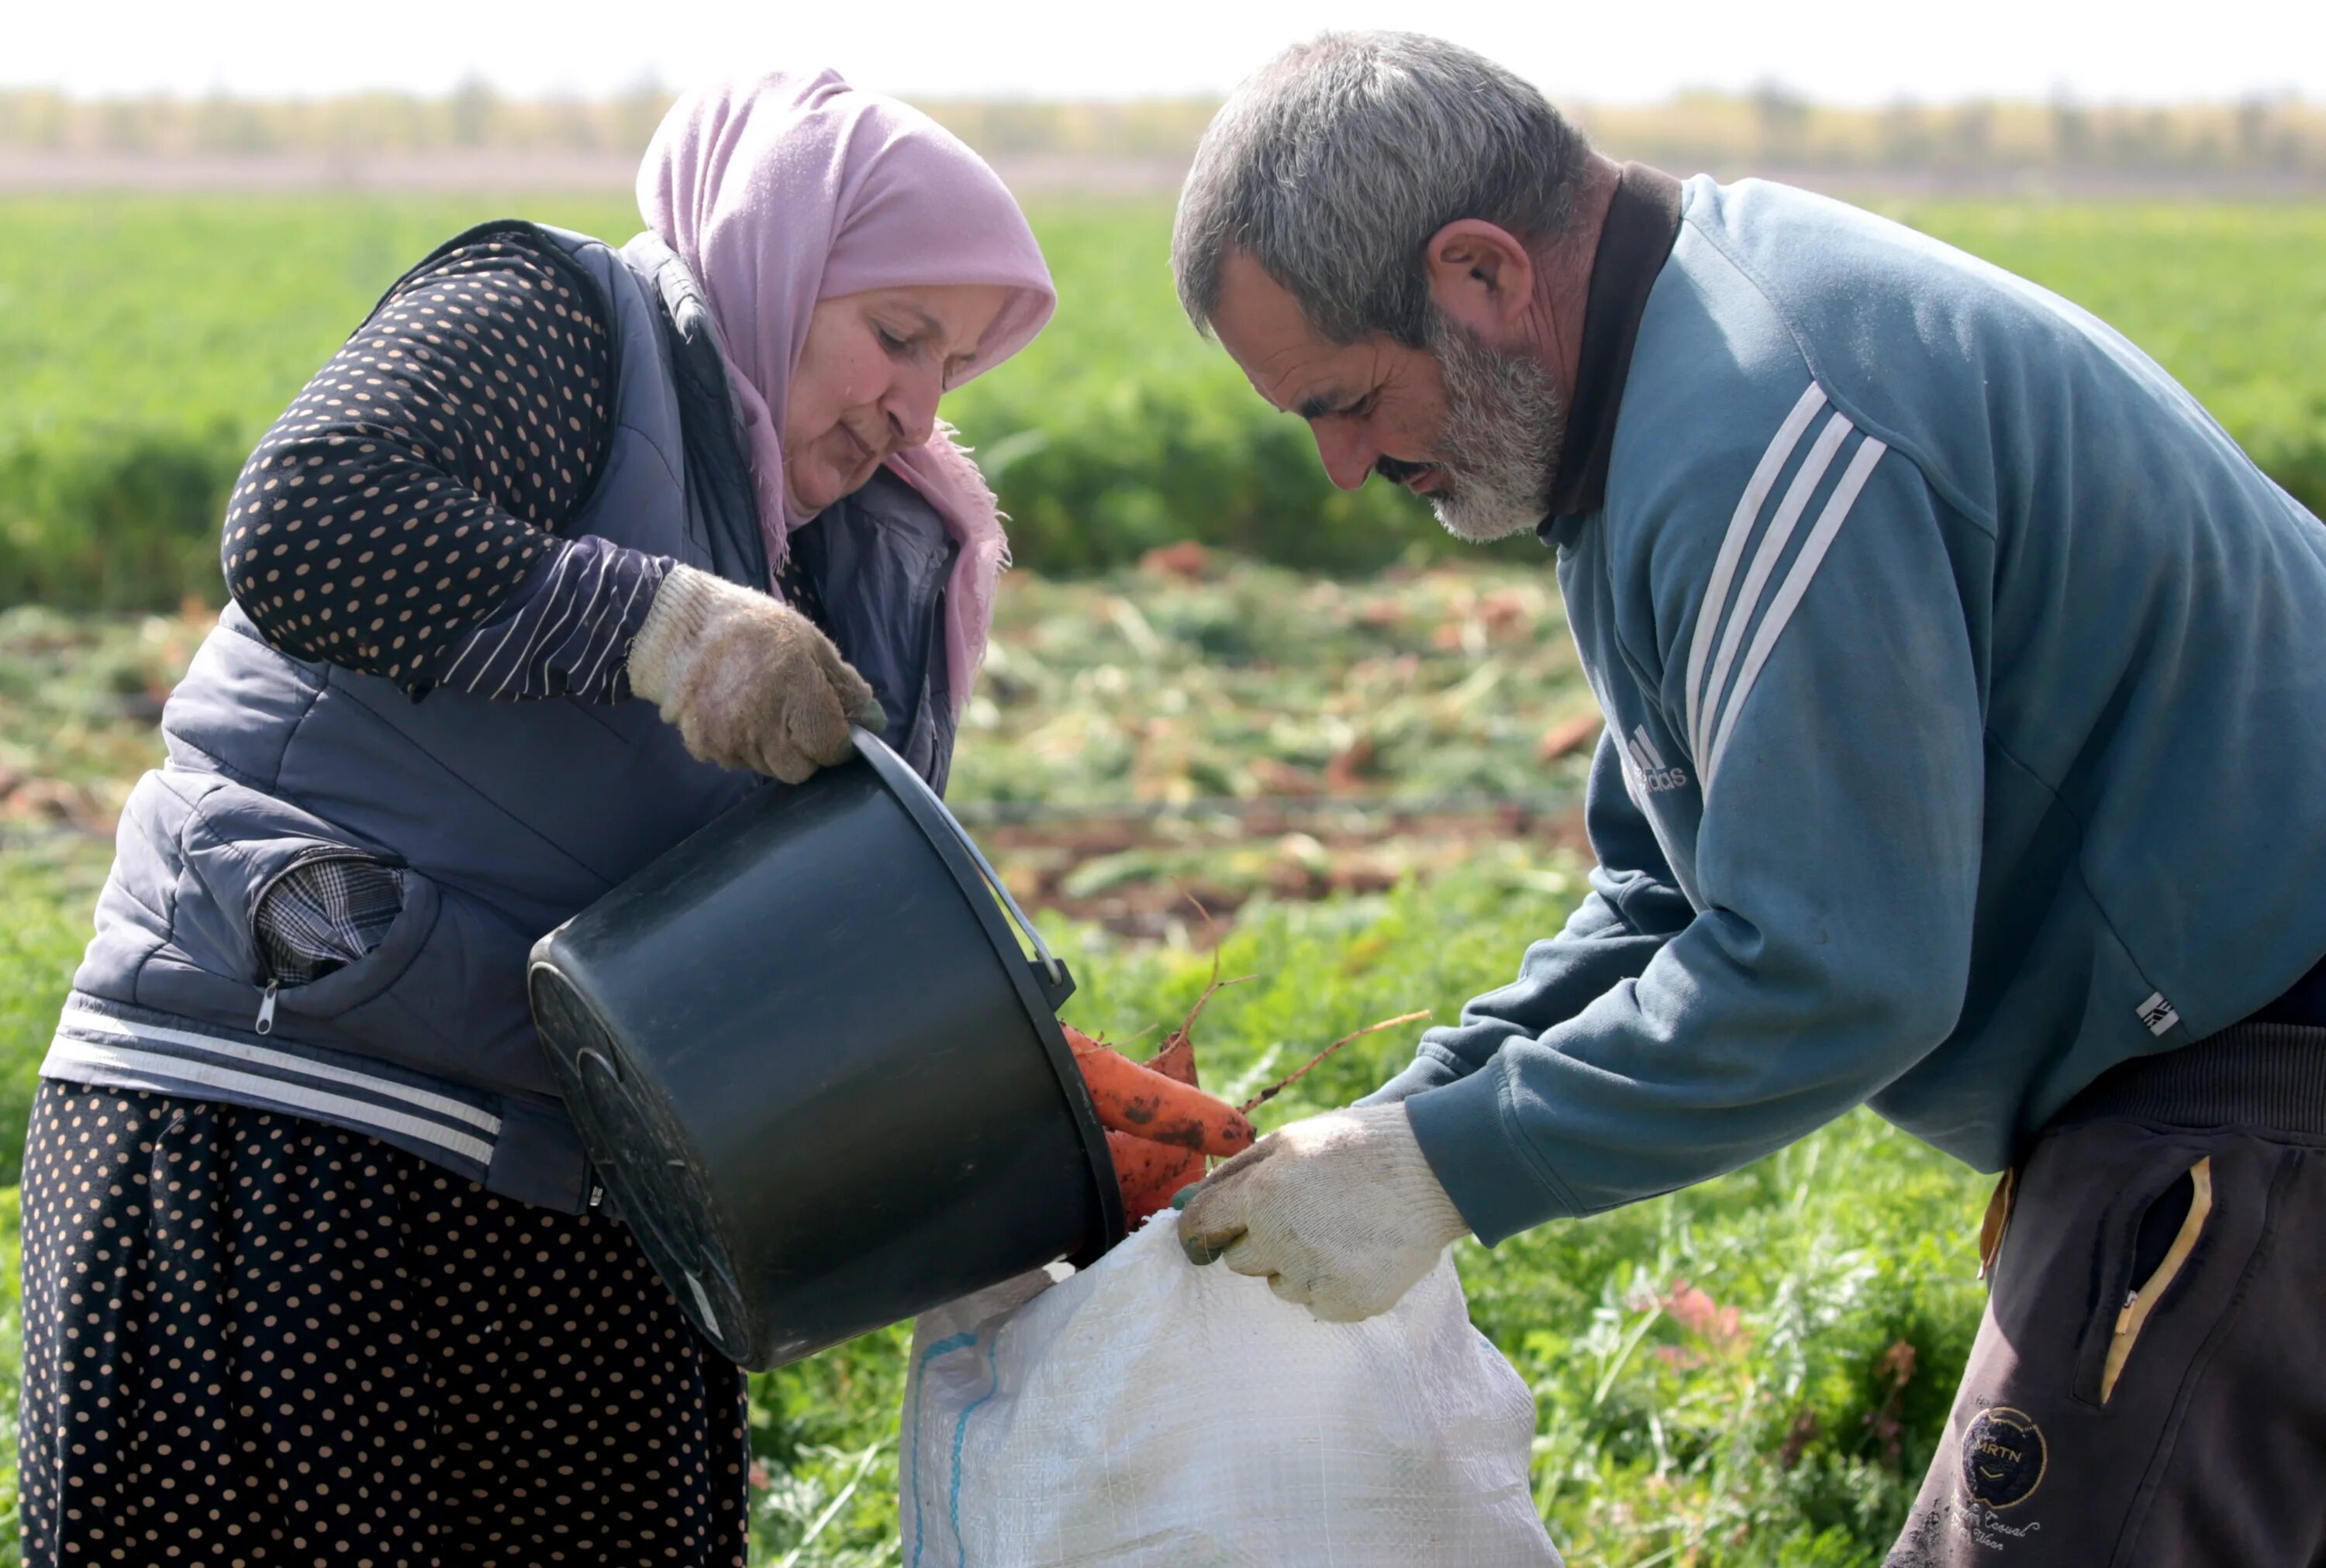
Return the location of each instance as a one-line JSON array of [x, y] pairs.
[[869, 377]]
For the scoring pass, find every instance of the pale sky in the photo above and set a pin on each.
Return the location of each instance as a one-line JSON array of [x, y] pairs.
[[1863, 54]]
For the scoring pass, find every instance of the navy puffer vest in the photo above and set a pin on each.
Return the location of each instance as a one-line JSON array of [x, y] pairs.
[[506, 818]]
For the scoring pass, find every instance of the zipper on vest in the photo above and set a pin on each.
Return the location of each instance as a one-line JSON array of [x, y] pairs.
[[258, 896]]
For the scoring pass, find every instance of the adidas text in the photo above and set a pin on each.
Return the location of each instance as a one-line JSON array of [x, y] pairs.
[[1655, 777]]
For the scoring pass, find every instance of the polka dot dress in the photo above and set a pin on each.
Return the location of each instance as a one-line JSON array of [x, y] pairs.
[[253, 1340]]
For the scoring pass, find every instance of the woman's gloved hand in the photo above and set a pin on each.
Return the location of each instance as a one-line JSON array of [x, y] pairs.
[[1341, 1212], [750, 681]]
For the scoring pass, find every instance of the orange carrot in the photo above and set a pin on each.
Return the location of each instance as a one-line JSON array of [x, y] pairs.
[[1155, 1106], [1150, 1173], [1175, 1061], [1161, 1123]]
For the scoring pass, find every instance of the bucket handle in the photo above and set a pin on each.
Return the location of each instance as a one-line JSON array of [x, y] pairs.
[[1053, 971]]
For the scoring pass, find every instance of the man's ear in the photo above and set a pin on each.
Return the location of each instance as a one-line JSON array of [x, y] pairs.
[[1480, 274]]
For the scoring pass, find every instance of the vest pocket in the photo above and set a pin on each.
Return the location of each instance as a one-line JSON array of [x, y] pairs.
[[372, 958], [323, 912], [311, 920], [445, 994], [437, 985], [442, 990]]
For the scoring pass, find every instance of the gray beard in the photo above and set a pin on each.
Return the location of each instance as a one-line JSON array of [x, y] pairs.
[[1505, 427]]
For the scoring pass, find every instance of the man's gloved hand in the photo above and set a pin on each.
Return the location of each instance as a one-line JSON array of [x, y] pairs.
[[1341, 1212], [750, 681]]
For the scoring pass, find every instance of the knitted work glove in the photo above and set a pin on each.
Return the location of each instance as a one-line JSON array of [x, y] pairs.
[[1340, 1212], [750, 681]]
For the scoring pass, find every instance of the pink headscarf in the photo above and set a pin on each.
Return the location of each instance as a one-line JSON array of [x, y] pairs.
[[784, 190]]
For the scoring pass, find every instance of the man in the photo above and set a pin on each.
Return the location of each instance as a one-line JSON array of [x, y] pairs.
[[1964, 685]]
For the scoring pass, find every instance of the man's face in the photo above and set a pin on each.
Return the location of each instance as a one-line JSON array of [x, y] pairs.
[[1476, 430]]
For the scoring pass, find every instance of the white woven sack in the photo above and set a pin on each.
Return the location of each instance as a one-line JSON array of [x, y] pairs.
[[1148, 1412]]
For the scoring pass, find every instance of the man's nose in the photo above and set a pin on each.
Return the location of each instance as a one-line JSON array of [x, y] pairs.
[[1348, 456]]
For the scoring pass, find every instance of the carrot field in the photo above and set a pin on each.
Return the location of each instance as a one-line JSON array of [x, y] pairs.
[[148, 340], [1751, 1372], [1357, 746]]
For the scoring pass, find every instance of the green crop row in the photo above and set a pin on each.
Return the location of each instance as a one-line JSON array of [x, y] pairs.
[[149, 340]]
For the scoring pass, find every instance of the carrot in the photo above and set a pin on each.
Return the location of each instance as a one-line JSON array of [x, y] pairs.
[[1150, 1173], [1157, 1106], [1159, 1122], [1177, 1060]]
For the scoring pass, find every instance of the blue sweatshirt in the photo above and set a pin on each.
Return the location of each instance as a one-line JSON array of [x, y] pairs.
[[1965, 699]]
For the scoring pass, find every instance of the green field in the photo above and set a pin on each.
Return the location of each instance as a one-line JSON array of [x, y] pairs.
[[148, 340], [141, 374], [1670, 1433]]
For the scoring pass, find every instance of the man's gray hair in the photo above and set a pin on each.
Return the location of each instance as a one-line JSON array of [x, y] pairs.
[[1334, 164]]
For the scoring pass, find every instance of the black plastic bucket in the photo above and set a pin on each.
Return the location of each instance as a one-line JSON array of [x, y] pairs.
[[823, 1082]]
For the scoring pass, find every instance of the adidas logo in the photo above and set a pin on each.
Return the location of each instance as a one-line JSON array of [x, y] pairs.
[[1655, 777]]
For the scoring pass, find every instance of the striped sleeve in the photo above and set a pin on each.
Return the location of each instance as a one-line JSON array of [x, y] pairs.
[[1741, 618], [1824, 679], [1634, 907], [428, 469], [567, 630]]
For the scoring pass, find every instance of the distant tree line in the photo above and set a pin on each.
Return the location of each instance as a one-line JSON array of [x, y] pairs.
[[2281, 136], [1771, 128], [475, 116]]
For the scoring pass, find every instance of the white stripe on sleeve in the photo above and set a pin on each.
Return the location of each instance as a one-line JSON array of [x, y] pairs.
[[1773, 540], [1740, 528], [610, 647], [1797, 582], [543, 634], [568, 634], [551, 591]]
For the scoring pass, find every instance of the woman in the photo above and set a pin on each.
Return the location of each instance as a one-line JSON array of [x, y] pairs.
[[313, 1269]]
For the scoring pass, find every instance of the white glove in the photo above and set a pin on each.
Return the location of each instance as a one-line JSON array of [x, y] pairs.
[[1341, 1212], [750, 681]]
